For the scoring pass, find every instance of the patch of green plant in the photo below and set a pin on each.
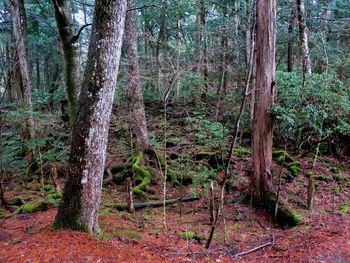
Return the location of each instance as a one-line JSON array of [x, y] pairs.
[[310, 174], [294, 168], [188, 235], [242, 152], [335, 169], [35, 206], [323, 178], [121, 233], [103, 213], [54, 196], [344, 208], [280, 156], [16, 201]]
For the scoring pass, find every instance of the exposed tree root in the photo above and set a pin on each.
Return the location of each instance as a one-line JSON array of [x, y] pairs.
[[124, 206]]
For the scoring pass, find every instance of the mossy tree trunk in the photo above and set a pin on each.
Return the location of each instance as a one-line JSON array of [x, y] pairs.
[[81, 196], [135, 84], [304, 42]]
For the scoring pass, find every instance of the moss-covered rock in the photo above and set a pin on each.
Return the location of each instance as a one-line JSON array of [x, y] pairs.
[[35, 206], [188, 235], [294, 168], [286, 216], [16, 201]]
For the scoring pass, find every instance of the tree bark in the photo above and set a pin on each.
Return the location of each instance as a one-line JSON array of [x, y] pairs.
[[135, 84], [303, 31], [264, 96], [81, 197], [197, 47], [38, 84], [63, 15], [290, 58], [205, 48], [19, 35]]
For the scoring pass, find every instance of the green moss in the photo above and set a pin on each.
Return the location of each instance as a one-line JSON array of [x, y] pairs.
[[300, 181], [120, 233], [310, 174], [344, 208], [335, 169], [16, 201], [294, 168], [55, 196], [286, 216], [171, 172], [103, 213], [142, 174], [188, 235], [281, 156], [242, 152], [35, 206], [323, 178]]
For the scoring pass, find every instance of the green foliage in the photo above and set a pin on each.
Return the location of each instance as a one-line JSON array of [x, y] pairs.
[[344, 208], [16, 201], [294, 168], [35, 206], [321, 108]]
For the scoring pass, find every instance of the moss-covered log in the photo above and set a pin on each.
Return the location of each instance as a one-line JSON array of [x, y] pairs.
[[286, 216]]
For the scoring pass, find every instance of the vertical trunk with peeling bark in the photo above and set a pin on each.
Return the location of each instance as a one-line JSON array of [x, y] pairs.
[[303, 31], [264, 96], [63, 15], [81, 197], [19, 35], [135, 84]]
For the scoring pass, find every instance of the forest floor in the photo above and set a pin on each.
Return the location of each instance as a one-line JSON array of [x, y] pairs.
[[323, 236]]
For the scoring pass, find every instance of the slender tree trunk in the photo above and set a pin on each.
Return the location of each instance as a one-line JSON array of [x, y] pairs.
[[47, 73], [135, 84], [303, 31], [19, 35], [63, 15], [197, 45], [290, 58], [205, 48], [38, 84], [264, 96], [248, 31], [82, 193], [177, 49]]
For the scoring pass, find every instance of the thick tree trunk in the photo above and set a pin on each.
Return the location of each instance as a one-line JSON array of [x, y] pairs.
[[19, 35], [290, 58], [82, 193], [305, 53], [135, 84], [66, 30], [248, 31], [264, 96]]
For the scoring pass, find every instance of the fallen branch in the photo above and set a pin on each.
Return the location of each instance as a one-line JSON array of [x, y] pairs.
[[256, 248], [124, 206]]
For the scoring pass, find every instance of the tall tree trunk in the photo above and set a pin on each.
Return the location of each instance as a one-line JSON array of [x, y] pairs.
[[82, 193], [290, 58], [303, 30], [47, 73], [177, 49], [135, 84], [248, 31], [63, 15], [19, 35], [205, 48], [264, 96], [197, 45]]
